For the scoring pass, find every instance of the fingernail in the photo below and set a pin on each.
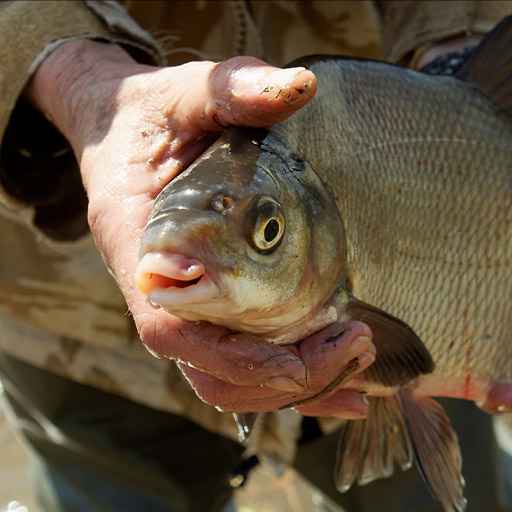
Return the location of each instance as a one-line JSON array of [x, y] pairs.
[[359, 407], [284, 77], [356, 410], [365, 360], [366, 342], [284, 384]]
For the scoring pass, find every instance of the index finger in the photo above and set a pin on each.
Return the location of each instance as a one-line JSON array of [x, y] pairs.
[[240, 359]]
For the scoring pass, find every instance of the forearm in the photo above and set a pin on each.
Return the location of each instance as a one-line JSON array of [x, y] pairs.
[[72, 86]]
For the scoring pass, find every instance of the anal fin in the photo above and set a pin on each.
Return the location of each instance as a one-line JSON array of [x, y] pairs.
[[398, 430]]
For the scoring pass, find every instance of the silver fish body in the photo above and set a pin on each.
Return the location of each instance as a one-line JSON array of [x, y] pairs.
[[387, 199], [421, 169]]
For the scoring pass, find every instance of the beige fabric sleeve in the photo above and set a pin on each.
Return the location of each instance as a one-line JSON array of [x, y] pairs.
[[30, 148], [411, 24]]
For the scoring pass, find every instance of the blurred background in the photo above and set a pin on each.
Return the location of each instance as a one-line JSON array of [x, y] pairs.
[[264, 492]]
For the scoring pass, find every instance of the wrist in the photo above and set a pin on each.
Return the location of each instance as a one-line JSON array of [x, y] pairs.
[[76, 82]]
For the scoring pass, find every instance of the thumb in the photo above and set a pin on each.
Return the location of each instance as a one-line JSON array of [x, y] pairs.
[[246, 91]]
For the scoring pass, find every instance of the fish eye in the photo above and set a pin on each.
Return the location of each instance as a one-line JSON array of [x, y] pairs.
[[269, 226]]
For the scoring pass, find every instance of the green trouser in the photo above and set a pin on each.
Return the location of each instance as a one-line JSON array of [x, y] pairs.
[[96, 452]]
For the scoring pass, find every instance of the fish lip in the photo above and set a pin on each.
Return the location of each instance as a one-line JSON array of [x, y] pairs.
[[182, 268], [174, 298]]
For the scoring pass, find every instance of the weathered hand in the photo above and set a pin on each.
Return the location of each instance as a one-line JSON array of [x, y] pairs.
[[133, 128]]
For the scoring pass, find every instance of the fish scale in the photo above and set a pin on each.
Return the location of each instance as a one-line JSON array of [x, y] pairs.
[[421, 224]]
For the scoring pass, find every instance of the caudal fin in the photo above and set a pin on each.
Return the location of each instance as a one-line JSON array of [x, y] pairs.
[[398, 431]]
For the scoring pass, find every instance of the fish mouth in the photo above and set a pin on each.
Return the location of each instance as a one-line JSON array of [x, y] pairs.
[[173, 280]]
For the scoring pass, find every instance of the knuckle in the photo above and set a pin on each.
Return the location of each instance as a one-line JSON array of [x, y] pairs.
[[234, 64], [216, 395], [99, 225], [94, 217], [211, 395], [148, 330]]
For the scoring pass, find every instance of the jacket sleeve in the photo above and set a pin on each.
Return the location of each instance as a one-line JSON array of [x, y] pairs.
[[409, 25], [39, 178]]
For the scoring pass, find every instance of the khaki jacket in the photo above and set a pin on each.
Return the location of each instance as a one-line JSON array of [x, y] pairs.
[[59, 307]]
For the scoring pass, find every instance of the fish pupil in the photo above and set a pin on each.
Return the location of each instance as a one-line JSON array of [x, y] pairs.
[[271, 230]]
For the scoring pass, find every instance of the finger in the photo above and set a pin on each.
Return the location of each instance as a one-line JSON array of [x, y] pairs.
[[498, 399], [232, 398], [241, 359], [344, 404], [246, 91], [329, 351]]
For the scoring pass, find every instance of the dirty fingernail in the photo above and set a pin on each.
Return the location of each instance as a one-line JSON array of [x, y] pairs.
[[365, 360], [284, 77], [284, 384], [358, 407], [365, 343]]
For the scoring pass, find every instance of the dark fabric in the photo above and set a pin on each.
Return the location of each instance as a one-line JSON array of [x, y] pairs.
[[47, 174], [113, 449], [126, 455], [447, 64]]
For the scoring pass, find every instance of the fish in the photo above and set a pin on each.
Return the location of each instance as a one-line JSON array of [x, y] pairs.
[[387, 199]]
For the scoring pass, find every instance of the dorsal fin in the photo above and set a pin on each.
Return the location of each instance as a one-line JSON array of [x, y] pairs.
[[490, 66]]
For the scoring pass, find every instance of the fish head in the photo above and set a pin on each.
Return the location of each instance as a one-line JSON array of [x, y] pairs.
[[247, 237]]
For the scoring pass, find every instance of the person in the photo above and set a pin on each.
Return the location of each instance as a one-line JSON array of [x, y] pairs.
[[112, 428]]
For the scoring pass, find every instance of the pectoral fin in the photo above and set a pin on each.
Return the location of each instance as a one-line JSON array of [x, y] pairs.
[[400, 430], [401, 355]]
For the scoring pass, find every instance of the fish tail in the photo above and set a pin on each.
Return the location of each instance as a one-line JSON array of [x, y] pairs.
[[398, 431]]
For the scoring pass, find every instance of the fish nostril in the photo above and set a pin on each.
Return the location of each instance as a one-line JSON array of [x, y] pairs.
[[220, 203]]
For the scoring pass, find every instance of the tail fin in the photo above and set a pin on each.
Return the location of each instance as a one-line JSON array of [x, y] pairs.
[[490, 66], [398, 430]]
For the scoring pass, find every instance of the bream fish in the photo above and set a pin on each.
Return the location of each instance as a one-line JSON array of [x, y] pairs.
[[387, 199]]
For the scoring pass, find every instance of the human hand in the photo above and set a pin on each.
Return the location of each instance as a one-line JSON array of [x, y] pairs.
[[133, 128]]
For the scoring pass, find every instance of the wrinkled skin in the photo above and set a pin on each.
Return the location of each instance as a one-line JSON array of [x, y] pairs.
[[133, 128], [145, 124]]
